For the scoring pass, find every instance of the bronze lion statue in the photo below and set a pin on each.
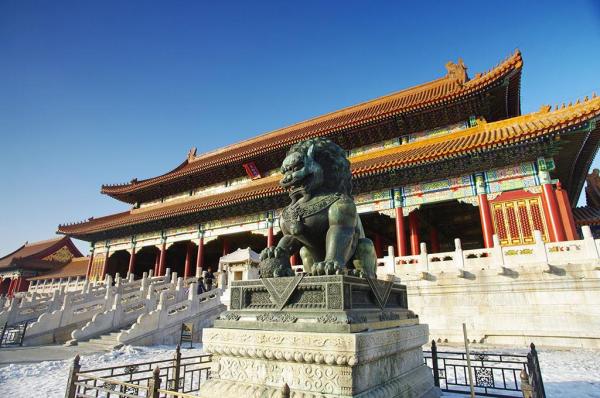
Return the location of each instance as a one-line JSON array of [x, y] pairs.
[[321, 222]]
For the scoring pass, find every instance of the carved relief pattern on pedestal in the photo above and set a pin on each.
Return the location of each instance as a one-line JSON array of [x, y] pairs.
[[316, 378], [236, 298], [334, 297]]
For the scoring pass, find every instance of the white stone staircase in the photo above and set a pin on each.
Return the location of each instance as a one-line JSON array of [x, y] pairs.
[[105, 342]]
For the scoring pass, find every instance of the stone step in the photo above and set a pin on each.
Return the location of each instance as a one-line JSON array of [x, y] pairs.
[[94, 346]]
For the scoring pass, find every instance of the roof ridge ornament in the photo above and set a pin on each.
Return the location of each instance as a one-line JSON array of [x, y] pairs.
[[191, 154], [457, 71]]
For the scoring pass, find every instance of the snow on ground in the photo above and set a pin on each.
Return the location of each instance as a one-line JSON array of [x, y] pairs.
[[566, 373], [48, 379]]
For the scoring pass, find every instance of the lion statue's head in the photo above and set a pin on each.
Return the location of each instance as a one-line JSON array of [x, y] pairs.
[[316, 165]]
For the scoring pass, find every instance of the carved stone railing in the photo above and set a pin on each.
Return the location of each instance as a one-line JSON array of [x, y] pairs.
[[126, 308], [170, 316], [460, 261], [69, 284], [76, 309], [20, 310]]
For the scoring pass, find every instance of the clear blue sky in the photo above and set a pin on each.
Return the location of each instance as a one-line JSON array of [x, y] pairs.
[[104, 91]]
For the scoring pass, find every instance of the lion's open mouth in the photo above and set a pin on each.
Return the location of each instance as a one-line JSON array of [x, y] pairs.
[[293, 184]]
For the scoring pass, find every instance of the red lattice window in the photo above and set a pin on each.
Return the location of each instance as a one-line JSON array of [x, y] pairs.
[[515, 220]]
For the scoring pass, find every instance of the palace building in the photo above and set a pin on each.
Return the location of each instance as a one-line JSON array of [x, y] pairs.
[[35, 261], [451, 158]]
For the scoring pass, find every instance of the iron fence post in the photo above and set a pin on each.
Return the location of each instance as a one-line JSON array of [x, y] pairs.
[[434, 363], [3, 331], [23, 334], [71, 387], [177, 362], [533, 364], [285, 391], [154, 384]]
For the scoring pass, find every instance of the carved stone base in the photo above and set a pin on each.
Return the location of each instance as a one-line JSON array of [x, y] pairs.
[[377, 363], [331, 304]]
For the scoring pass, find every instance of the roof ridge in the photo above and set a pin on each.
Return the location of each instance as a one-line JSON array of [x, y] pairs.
[[29, 244], [450, 78], [483, 126]]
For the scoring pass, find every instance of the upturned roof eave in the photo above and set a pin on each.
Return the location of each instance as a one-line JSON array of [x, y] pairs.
[[481, 82]]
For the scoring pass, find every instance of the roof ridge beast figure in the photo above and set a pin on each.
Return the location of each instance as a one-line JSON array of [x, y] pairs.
[[322, 222]]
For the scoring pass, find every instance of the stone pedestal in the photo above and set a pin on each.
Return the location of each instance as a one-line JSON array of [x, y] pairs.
[[329, 336]]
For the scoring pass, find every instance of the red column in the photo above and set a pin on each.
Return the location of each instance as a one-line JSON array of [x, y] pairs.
[[89, 267], [22, 285], [293, 260], [378, 246], [270, 237], [413, 227], [225, 246], [11, 287], [131, 262], [156, 262], [200, 256], [485, 215], [18, 285], [161, 263], [566, 212], [556, 224], [188, 260], [400, 234], [104, 266], [435, 240]]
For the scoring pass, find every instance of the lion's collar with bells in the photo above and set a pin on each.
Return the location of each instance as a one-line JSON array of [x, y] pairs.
[[294, 214]]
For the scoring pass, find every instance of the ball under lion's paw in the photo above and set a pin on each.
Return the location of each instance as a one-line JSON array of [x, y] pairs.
[[274, 268]]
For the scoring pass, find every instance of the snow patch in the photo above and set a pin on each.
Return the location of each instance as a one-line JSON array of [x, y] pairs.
[[567, 373]]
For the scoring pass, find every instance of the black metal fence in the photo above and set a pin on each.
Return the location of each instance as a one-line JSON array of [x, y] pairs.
[[494, 374], [180, 374], [13, 335]]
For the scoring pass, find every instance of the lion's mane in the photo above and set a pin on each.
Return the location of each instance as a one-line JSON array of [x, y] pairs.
[[332, 159]]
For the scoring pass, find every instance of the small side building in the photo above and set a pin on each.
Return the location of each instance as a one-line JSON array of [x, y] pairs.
[[71, 276], [34, 259]]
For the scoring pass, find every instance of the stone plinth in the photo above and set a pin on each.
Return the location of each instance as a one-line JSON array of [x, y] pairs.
[[329, 336]]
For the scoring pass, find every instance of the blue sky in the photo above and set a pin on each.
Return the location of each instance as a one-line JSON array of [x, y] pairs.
[[101, 92]]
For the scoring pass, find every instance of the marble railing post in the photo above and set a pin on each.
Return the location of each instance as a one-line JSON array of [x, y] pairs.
[[459, 258], [179, 289], [423, 261], [497, 255], [589, 242], [539, 247], [144, 284]]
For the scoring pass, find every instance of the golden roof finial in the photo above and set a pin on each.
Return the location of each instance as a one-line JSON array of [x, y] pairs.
[[457, 71]]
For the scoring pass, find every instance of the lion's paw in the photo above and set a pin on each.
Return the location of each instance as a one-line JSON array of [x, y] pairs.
[[327, 267], [272, 252], [268, 252]]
